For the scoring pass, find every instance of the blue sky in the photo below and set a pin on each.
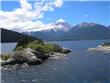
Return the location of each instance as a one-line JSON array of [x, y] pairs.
[[74, 12], [77, 12]]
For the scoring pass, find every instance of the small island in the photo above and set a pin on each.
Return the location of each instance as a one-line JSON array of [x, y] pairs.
[[29, 52], [105, 47]]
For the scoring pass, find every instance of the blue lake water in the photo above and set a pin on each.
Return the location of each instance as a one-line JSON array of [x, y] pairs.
[[7, 47], [80, 66]]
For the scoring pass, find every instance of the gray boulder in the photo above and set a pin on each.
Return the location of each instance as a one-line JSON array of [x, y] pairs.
[[65, 50], [39, 55], [19, 57], [11, 61], [3, 62], [25, 65], [34, 61], [31, 57]]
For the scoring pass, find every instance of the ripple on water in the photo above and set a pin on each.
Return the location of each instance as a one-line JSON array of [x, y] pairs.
[[80, 67]]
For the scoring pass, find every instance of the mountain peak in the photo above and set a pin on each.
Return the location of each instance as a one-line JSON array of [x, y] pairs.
[[60, 20], [58, 26], [86, 23]]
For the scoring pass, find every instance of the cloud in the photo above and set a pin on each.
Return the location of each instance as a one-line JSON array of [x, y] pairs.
[[58, 3], [25, 5], [27, 18]]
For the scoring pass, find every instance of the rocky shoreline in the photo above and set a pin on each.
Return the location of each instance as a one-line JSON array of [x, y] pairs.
[[30, 57], [101, 48], [32, 52]]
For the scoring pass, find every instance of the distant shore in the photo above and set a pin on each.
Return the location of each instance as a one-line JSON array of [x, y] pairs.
[[100, 48]]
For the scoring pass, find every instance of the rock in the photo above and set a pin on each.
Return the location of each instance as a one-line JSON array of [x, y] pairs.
[[65, 50], [39, 55], [11, 61], [29, 56], [15, 66], [105, 49], [33, 57], [34, 61], [3, 62], [57, 55], [29, 50], [25, 65], [19, 57]]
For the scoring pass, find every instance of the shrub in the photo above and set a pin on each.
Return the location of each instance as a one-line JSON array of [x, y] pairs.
[[38, 46], [44, 47], [23, 42], [5, 56], [106, 44], [18, 48], [52, 48]]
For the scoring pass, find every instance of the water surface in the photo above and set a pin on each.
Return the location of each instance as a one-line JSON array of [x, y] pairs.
[[7, 47], [80, 66]]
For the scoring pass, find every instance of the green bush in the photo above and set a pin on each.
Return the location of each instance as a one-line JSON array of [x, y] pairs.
[[18, 48], [44, 47], [23, 42], [106, 44], [5, 56], [52, 48], [39, 46]]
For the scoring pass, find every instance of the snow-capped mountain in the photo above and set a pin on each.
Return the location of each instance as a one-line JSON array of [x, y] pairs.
[[53, 31], [61, 30], [59, 25]]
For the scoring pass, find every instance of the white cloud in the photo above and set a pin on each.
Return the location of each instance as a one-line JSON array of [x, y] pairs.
[[58, 3], [25, 5], [27, 18]]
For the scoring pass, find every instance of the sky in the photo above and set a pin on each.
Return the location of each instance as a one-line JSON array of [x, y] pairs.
[[23, 15]]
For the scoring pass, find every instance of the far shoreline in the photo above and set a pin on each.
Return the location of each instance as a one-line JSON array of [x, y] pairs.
[[65, 40]]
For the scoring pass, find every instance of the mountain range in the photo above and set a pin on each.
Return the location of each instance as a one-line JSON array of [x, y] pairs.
[[89, 31], [55, 31], [62, 30]]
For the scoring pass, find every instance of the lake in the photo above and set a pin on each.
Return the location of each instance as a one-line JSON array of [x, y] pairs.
[[80, 66], [7, 47]]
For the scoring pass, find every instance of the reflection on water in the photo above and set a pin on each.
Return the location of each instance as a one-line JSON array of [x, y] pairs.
[[81, 66]]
